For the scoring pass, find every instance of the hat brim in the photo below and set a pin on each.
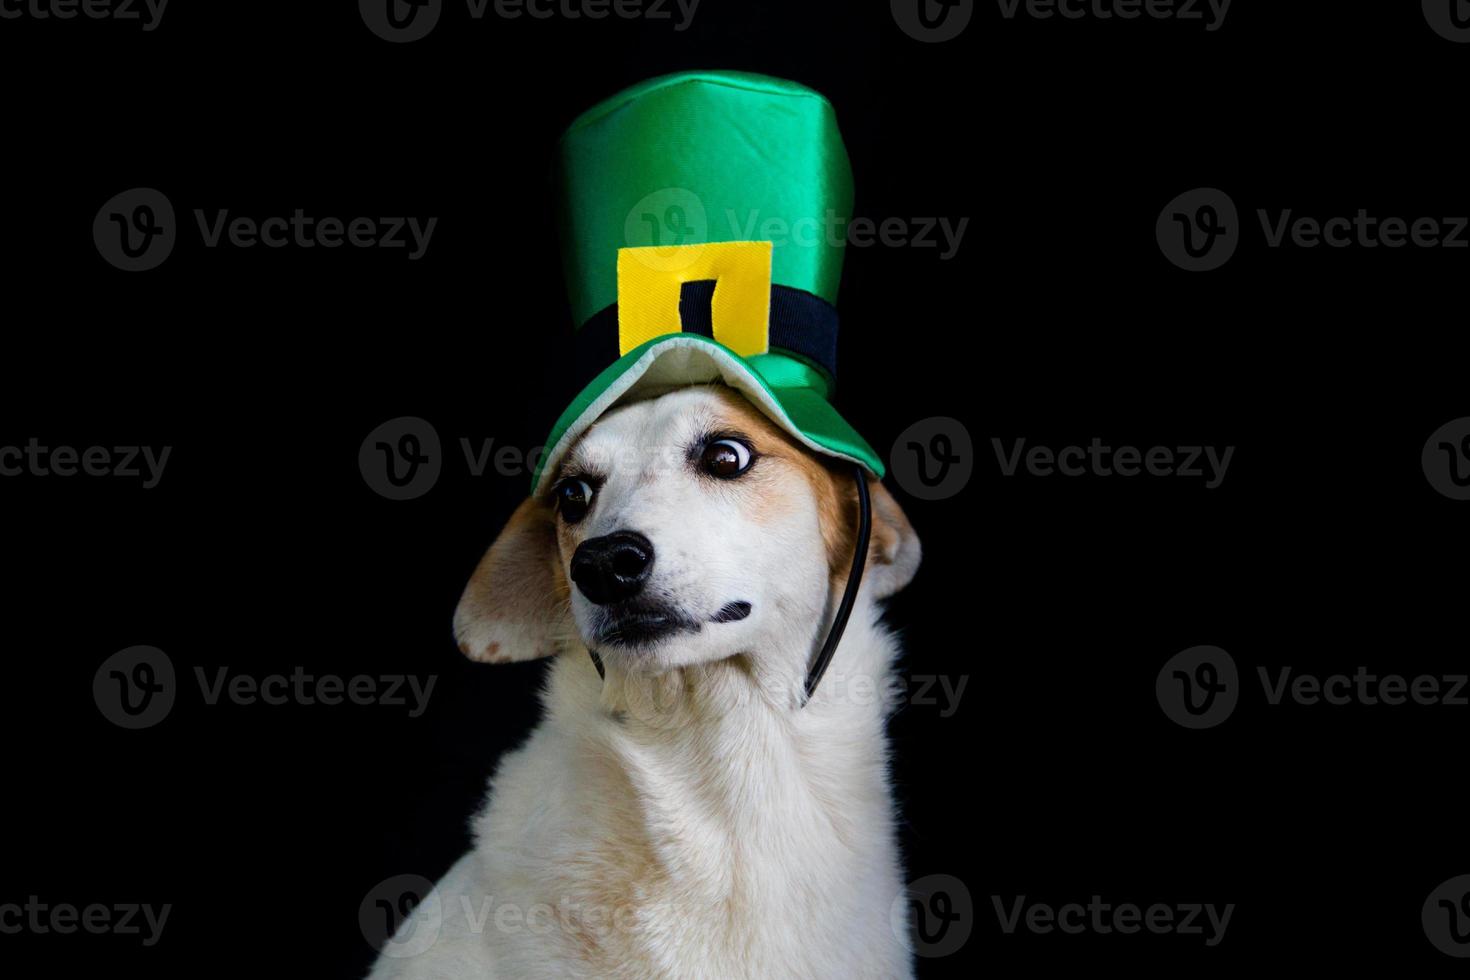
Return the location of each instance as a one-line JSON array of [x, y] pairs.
[[786, 390]]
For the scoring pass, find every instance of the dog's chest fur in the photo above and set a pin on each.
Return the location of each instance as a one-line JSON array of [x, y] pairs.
[[686, 827]]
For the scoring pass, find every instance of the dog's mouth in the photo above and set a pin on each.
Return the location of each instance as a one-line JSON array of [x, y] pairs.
[[642, 625], [636, 626]]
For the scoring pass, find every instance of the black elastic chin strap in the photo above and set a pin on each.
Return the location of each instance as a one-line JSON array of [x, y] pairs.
[[849, 595], [844, 608]]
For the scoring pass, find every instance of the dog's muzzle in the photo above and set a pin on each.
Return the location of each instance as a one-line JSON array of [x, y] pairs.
[[617, 565]]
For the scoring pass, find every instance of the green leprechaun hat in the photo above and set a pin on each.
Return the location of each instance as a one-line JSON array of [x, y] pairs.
[[697, 216]]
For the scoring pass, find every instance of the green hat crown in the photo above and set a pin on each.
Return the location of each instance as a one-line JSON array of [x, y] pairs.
[[706, 156], [696, 213]]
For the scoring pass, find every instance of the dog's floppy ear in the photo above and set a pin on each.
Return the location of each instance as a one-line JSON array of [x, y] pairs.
[[893, 548], [516, 606]]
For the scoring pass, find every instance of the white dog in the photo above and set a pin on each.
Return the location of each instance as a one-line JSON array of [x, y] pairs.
[[685, 817]]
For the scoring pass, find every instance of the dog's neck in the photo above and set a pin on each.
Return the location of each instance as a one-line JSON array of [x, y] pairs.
[[714, 814], [731, 741]]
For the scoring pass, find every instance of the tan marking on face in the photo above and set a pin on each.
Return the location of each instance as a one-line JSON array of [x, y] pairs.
[[831, 484], [775, 491]]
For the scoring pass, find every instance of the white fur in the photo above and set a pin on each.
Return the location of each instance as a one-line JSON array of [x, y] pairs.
[[684, 819]]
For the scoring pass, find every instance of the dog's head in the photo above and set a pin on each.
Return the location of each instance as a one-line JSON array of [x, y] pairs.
[[680, 529]]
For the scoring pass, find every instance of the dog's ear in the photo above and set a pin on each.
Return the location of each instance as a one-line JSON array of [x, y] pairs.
[[893, 548], [517, 604]]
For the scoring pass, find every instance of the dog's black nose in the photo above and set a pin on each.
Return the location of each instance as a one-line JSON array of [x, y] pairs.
[[613, 567]]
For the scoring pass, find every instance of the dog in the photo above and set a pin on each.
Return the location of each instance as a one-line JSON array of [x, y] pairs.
[[684, 816]]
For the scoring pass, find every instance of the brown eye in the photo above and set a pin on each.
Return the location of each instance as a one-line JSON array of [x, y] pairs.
[[573, 497], [725, 458]]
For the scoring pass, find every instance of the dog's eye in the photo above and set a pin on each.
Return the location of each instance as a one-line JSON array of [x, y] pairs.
[[725, 458], [573, 497]]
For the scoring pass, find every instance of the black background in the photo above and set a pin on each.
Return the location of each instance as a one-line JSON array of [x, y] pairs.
[[1058, 599]]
